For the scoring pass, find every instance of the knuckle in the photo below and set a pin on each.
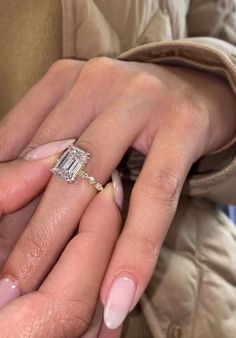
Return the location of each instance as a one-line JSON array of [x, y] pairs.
[[59, 70], [101, 63], [190, 114], [70, 316], [38, 247], [144, 244], [55, 70], [33, 250], [184, 108], [100, 69], [144, 83], [78, 316], [60, 67], [162, 187], [51, 317]]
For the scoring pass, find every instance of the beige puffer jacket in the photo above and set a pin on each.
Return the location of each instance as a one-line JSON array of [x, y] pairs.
[[193, 290]]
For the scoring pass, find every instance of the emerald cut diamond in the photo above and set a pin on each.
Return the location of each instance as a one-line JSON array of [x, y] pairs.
[[70, 164]]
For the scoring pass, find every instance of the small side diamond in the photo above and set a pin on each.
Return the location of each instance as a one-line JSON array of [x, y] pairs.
[[98, 186], [82, 174], [91, 180]]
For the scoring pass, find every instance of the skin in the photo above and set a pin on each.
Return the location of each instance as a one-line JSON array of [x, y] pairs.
[[171, 114]]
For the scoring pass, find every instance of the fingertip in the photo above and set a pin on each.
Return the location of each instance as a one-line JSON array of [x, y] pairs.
[[9, 290], [114, 189], [109, 193], [48, 150], [109, 190], [106, 203], [21, 181]]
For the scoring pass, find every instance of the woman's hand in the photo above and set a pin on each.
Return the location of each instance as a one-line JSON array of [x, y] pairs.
[[173, 115], [14, 179], [65, 302]]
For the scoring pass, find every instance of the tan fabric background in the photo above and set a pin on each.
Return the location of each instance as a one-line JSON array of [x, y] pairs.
[[30, 41]]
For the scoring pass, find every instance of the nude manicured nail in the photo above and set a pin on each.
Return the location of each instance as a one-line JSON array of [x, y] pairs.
[[48, 149], [119, 301], [118, 188], [8, 291]]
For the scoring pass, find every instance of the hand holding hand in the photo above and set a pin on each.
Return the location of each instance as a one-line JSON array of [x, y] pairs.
[[65, 302], [165, 112]]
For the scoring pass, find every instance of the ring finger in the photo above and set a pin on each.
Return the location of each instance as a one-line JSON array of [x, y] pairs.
[[62, 205]]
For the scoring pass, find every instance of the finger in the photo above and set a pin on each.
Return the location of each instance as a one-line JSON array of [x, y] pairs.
[[12, 226], [14, 193], [65, 302], [87, 98], [21, 181], [19, 126], [62, 205], [152, 207]]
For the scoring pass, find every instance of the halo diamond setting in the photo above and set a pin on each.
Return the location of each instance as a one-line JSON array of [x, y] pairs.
[[72, 161], [70, 166]]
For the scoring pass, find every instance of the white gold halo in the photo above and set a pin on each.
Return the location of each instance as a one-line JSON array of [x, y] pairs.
[[70, 165]]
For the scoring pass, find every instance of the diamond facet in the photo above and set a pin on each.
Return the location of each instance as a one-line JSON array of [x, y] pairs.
[[71, 163]]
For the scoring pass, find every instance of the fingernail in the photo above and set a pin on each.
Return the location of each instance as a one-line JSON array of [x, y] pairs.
[[118, 188], [48, 149], [119, 302], [8, 291]]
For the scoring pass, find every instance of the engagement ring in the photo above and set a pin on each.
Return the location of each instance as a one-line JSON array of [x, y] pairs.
[[71, 164]]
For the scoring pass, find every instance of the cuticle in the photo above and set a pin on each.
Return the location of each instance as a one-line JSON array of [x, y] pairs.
[[127, 274]]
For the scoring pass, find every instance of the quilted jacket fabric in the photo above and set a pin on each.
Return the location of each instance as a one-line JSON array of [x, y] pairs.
[[192, 292]]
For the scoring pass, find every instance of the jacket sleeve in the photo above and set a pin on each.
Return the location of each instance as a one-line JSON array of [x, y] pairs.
[[210, 46]]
